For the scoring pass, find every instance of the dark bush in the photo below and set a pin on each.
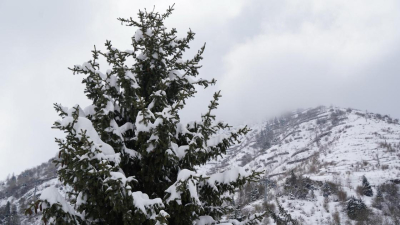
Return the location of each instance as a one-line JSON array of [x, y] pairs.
[[356, 209]]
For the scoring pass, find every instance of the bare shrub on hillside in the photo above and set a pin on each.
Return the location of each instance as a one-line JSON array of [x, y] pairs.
[[385, 167], [359, 190], [342, 195], [312, 169], [387, 146], [336, 218]]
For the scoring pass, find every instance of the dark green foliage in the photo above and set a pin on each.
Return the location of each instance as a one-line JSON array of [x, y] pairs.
[[366, 187], [356, 209], [299, 187]]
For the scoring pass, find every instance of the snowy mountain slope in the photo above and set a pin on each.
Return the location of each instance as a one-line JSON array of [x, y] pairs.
[[324, 144], [353, 140], [321, 146], [19, 191]]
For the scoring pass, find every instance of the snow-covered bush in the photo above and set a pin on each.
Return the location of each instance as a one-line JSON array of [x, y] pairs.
[[356, 209]]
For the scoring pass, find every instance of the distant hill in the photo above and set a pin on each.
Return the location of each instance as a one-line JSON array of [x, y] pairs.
[[19, 190], [307, 151]]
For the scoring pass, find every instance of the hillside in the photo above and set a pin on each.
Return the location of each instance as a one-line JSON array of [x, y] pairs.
[[317, 146], [315, 160]]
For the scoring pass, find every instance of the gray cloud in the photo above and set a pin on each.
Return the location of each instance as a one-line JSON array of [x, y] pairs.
[[310, 53]]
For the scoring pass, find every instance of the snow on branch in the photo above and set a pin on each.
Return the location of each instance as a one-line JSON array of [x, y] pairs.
[[84, 127], [186, 182], [52, 196], [145, 204]]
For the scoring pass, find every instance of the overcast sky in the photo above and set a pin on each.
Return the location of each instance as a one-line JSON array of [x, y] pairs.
[[268, 57]]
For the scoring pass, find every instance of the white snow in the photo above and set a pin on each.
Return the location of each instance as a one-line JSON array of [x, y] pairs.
[[138, 35], [120, 176], [142, 127], [142, 201], [184, 176], [180, 151], [83, 124], [216, 139], [228, 176], [52, 195], [204, 220]]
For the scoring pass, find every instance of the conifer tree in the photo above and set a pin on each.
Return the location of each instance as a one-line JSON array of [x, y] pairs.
[[366, 187], [254, 193], [7, 213], [312, 194], [356, 209], [13, 217], [292, 179], [127, 156], [283, 217], [379, 193], [326, 189], [238, 213], [377, 201]]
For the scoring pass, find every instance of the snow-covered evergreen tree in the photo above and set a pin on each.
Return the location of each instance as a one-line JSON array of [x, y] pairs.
[[378, 200], [312, 194], [293, 179], [127, 156], [291, 196], [7, 213], [326, 189], [283, 217], [11, 216], [356, 209], [254, 193], [238, 213], [14, 217], [379, 193], [366, 187]]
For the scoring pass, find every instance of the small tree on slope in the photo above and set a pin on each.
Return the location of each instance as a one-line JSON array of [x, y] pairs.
[[254, 194], [127, 157], [356, 209], [283, 217], [366, 187]]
